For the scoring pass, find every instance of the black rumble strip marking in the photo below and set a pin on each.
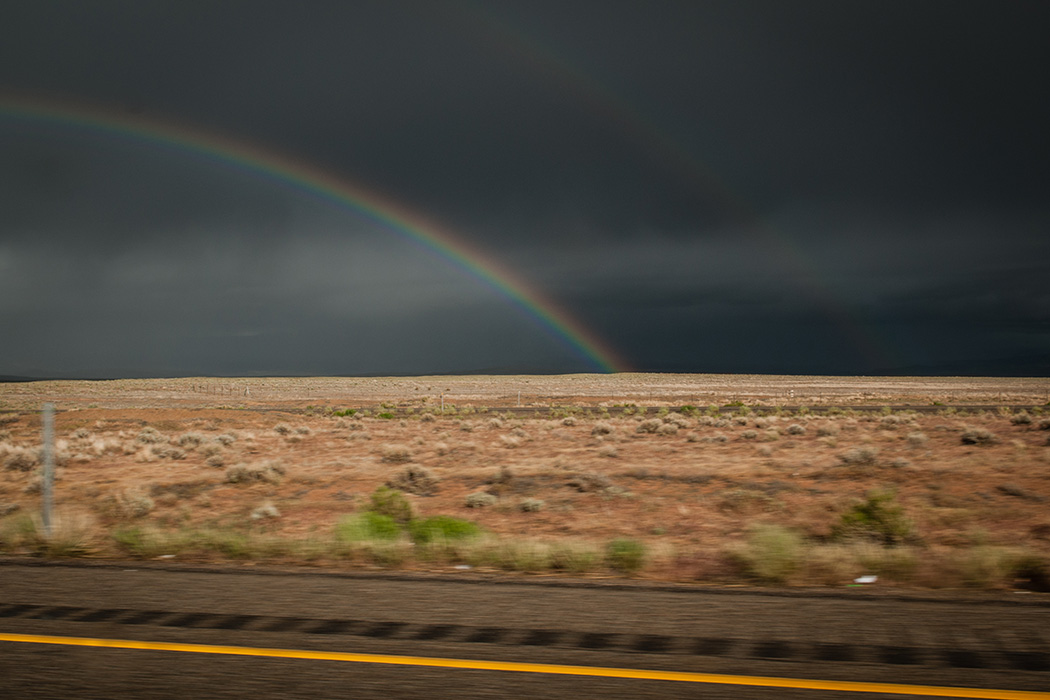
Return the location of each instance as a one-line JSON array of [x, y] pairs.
[[333, 627], [59, 612], [1021, 660], [653, 644], [712, 646], [541, 638], [286, 624], [901, 656], [188, 620], [145, 617], [963, 658], [1027, 660], [16, 610], [596, 640], [100, 615], [834, 652], [233, 622], [773, 649], [432, 632], [383, 630], [488, 635]]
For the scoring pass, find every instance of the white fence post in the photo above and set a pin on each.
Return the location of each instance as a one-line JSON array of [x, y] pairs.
[[48, 477]]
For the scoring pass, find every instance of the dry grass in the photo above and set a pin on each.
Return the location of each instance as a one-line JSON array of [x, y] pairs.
[[690, 485]]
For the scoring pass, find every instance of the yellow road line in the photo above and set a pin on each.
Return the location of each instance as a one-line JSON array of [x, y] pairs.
[[483, 665]]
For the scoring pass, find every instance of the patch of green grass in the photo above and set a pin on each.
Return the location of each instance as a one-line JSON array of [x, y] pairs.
[[625, 556], [442, 528], [143, 543], [368, 526]]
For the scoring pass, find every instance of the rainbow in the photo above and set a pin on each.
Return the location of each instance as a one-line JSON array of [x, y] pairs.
[[392, 215], [513, 39]]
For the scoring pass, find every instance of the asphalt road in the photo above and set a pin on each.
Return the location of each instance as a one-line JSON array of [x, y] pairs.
[[849, 635]]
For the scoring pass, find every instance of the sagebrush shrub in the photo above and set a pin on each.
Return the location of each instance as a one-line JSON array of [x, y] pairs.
[[20, 459], [271, 472], [1021, 418], [190, 440], [266, 511], [828, 430], [480, 499], [151, 436], [860, 456], [978, 436], [531, 505], [917, 439], [134, 504], [587, 482], [396, 453], [415, 479], [650, 425]]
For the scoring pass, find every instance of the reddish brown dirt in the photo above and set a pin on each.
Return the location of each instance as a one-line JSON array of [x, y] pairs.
[[688, 489]]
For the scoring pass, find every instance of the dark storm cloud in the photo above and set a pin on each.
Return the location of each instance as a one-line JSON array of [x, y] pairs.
[[862, 186]]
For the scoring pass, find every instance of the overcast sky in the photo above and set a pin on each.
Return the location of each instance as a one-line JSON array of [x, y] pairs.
[[740, 186]]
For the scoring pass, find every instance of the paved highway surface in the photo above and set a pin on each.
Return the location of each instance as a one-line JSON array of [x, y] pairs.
[[862, 636]]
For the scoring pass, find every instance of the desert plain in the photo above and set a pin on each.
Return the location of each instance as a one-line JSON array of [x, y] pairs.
[[758, 480]]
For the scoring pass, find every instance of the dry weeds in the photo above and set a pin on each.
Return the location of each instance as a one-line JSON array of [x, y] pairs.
[[691, 485]]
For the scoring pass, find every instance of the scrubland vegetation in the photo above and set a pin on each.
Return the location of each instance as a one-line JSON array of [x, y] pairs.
[[716, 494]]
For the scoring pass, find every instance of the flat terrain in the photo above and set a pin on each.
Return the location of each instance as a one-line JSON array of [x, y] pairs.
[[852, 635], [528, 390], [719, 478]]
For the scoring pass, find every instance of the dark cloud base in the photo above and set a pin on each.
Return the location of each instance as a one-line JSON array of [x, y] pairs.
[[729, 186]]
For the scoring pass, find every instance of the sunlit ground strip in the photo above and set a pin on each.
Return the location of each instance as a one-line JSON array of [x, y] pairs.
[[593, 671]]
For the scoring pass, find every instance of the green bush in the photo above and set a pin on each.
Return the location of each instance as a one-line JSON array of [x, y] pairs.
[[625, 556], [879, 517], [392, 503], [368, 526], [442, 527]]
